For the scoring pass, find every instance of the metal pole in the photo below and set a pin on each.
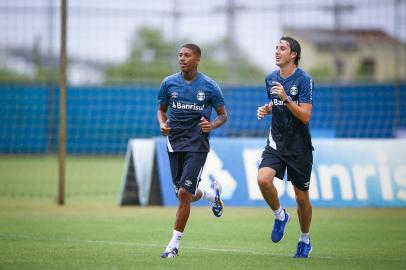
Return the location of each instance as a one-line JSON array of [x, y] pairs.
[[62, 106], [231, 10], [397, 68], [176, 16], [50, 81]]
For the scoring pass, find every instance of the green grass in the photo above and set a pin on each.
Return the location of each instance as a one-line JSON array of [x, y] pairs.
[[88, 178], [92, 232], [39, 235]]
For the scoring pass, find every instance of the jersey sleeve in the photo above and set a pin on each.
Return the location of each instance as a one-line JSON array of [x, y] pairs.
[[217, 96], [163, 98], [267, 89], [306, 90], [268, 86]]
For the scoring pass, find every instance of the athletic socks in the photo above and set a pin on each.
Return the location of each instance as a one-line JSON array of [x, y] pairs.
[[280, 213], [209, 194], [305, 238], [175, 241]]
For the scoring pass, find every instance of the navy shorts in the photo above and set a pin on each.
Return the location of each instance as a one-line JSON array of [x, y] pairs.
[[186, 169], [299, 167]]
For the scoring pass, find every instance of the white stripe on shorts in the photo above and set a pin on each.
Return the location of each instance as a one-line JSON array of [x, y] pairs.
[[170, 149]]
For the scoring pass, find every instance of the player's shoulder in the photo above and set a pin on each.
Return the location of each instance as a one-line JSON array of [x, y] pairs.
[[211, 83], [303, 74], [273, 75], [171, 78]]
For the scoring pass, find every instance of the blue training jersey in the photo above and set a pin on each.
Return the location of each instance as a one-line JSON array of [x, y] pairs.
[[187, 103], [289, 135]]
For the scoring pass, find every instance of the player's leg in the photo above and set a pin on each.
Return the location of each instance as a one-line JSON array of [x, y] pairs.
[[176, 161], [304, 212], [271, 166], [182, 216], [300, 177], [186, 168], [183, 211], [194, 163], [265, 182]]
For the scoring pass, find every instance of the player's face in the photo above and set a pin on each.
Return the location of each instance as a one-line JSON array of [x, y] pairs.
[[283, 54], [188, 60]]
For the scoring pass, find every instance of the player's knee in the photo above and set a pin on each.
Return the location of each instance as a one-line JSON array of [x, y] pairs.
[[184, 195], [263, 181]]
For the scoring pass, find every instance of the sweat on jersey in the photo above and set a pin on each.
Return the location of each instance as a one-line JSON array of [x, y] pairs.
[[187, 103], [289, 135]]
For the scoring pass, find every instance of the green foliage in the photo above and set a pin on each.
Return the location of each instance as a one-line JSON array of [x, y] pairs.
[[364, 71], [322, 74], [7, 75], [147, 61], [42, 75], [152, 58]]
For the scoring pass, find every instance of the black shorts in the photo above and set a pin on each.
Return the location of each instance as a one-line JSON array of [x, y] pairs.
[[186, 169], [299, 167]]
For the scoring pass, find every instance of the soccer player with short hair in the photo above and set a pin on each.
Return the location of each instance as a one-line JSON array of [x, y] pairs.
[[289, 146], [190, 97]]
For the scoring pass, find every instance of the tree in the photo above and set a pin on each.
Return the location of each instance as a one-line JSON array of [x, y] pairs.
[[7, 75], [152, 58]]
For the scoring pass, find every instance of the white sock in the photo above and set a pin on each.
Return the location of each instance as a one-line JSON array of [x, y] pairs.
[[175, 241], [209, 194], [279, 213], [305, 238]]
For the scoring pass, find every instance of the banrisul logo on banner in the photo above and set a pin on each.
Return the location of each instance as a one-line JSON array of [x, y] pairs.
[[354, 173], [344, 179]]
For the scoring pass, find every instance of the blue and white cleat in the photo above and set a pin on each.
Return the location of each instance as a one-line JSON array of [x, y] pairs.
[[170, 254], [303, 250], [279, 228], [218, 205]]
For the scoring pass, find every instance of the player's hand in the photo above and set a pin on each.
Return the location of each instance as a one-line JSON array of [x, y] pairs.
[[262, 111], [165, 128], [278, 89], [205, 125]]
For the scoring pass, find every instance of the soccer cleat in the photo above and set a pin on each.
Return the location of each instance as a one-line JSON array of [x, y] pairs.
[[218, 205], [279, 228], [303, 250], [172, 253]]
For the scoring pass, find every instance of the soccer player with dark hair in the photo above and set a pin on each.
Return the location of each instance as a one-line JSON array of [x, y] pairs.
[[190, 97], [289, 146]]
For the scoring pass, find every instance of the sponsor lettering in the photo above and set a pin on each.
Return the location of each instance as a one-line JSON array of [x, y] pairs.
[[279, 102], [183, 106], [336, 181]]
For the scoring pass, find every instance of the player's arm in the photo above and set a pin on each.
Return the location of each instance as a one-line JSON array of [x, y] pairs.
[[163, 119], [218, 122], [303, 111]]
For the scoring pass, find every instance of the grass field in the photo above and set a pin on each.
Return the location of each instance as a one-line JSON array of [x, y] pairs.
[[93, 232]]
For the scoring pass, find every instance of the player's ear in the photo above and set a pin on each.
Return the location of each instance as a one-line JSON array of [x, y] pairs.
[[293, 55]]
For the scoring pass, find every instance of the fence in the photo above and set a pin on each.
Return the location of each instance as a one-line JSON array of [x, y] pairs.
[[102, 119], [128, 41]]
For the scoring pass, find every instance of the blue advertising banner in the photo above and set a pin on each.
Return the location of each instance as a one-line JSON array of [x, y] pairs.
[[346, 173]]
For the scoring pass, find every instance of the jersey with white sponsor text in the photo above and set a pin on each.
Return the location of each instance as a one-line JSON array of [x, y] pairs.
[[187, 103], [289, 135]]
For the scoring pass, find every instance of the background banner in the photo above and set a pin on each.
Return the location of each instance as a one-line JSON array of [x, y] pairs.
[[346, 173]]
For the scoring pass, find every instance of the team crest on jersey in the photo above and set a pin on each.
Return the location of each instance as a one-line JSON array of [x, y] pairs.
[[174, 95], [294, 90], [200, 95]]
